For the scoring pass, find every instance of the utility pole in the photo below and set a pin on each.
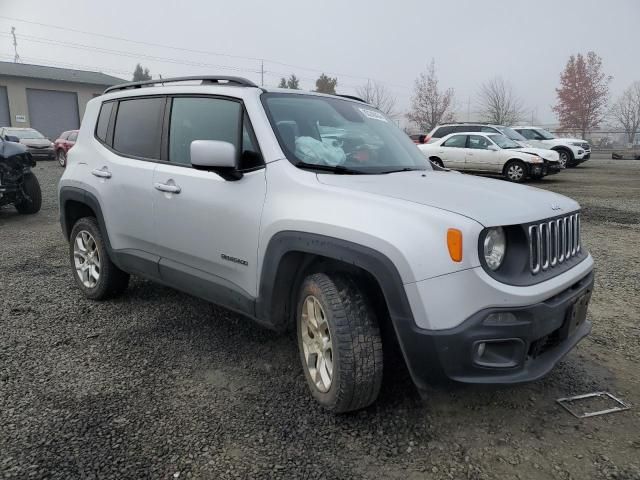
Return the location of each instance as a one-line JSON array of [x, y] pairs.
[[16, 57], [262, 73]]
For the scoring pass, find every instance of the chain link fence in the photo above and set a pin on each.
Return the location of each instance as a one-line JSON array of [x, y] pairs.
[[605, 140]]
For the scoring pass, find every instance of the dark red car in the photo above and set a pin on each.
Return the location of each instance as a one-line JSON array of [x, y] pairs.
[[63, 144]]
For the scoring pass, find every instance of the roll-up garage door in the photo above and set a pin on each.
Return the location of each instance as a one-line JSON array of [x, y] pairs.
[[52, 112], [5, 117]]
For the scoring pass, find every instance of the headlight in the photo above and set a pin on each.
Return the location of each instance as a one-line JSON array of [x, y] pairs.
[[495, 246], [536, 159]]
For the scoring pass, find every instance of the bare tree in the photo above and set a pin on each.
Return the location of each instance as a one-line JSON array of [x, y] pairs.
[[430, 105], [498, 103], [379, 96], [626, 111], [583, 93]]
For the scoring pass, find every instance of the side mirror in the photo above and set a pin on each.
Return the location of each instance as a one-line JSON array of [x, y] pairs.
[[216, 156], [492, 147], [11, 138]]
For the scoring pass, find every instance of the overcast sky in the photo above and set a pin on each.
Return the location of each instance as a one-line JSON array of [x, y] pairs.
[[527, 43]]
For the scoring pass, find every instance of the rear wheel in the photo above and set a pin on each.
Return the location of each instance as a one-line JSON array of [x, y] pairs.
[[61, 157], [437, 161], [31, 199], [339, 342], [93, 270], [515, 171]]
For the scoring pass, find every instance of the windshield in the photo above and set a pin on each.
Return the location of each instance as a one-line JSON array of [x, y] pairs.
[[339, 135], [503, 142], [512, 134], [25, 134], [544, 134]]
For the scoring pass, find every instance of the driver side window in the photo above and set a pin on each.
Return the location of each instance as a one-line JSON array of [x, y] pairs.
[[528, 134], [457, 141]]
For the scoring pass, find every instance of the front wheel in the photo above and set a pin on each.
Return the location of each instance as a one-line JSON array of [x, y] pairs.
[[61, 156], [515, 171], [31, 198], [565, 158], [339, 342]]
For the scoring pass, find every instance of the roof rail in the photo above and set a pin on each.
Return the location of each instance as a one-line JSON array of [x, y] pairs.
[[352, 97], [214, 79]]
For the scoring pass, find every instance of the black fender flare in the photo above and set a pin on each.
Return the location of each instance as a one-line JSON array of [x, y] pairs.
[[86, 198], [414, 349]]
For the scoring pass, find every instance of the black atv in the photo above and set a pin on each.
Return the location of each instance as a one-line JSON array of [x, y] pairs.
[[18, 184]]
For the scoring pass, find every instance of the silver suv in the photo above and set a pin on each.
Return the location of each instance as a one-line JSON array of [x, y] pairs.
[[316, 213]]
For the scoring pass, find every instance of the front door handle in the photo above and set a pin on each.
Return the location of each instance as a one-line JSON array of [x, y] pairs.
[[101, 172], [166, 187]]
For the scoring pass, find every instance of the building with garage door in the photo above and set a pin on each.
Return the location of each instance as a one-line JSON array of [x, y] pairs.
[[49, 99]]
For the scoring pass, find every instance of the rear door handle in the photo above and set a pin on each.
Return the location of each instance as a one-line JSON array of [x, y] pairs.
[[101, 172], [165, 187]]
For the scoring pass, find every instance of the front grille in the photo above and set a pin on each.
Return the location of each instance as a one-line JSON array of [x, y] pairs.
[[586, 146], [553, 242]]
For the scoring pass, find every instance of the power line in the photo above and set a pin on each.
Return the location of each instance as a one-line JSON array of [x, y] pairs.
[[203, 52], [46, 41]]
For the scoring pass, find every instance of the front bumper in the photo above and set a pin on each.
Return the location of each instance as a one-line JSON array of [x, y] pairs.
[[531, 345], [42, 153]]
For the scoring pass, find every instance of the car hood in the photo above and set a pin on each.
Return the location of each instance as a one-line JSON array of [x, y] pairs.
[[488, 201], [35, 142], [549, 155]]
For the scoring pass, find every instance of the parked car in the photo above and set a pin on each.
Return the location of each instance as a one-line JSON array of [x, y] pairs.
[[573, 151], [40, 147], [487, 153], [63, 144], [418, 138], [349, 236], [18, 184], [550, 156]]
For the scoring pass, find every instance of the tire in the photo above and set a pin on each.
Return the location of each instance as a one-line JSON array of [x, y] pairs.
[[566, 158], [61, 157], [437, 161], [31, 189], [355, 359], [515, 171], [94, 261]]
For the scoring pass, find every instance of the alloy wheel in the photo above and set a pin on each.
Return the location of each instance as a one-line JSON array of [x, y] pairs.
[[86, 259], [316, 344], [515, 172], [564, 159], [62, 158]]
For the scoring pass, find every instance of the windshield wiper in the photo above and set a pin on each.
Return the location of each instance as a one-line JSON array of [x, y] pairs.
[[403, 169], [330, 168]]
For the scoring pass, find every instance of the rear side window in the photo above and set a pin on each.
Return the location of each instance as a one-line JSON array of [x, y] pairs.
[[202, 119], [138, 127], [457, 141], [73, 136], [442, 132], [103, 120]]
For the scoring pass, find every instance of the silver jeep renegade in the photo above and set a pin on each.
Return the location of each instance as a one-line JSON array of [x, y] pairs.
[[316, 213]]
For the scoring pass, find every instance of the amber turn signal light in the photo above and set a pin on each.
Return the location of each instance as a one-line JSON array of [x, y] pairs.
[[454, 243]]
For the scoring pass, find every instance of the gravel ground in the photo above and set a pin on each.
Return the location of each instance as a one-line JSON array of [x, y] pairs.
[[157, 384]]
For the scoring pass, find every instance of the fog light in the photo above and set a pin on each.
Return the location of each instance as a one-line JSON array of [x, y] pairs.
[[498, 318], [502, 353]]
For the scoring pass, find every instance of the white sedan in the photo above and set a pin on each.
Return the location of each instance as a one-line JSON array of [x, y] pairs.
[[487, 153]]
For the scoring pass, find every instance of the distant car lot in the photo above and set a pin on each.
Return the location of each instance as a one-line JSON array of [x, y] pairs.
[[158, 382]]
